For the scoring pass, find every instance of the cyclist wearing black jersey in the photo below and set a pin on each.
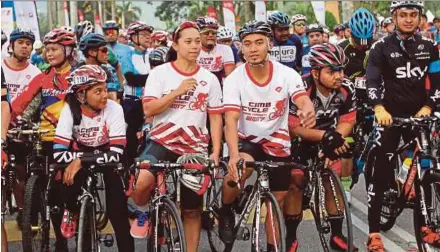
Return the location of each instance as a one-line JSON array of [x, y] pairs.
[[402, 61]]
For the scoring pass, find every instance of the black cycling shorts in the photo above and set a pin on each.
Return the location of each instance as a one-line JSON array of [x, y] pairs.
[[279, 179], [155, 152]]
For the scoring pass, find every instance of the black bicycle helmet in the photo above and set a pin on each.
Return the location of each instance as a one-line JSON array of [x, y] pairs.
[[110, 25], [255, 27], [19, 33], [91, 41], [314, 28], [157, 56]]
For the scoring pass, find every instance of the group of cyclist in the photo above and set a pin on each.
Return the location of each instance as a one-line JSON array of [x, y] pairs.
[[195, 87]]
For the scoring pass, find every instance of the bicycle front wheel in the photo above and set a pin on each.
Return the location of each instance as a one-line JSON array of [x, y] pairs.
[[330, 192], [166, 228], [268, 228], [35, 226], [87, 237]]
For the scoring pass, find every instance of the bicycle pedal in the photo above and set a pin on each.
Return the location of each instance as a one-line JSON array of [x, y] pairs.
[[326, 229], [246, 235], [108, 240]]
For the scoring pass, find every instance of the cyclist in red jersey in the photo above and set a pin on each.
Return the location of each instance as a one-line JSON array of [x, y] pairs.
[[53, 87]]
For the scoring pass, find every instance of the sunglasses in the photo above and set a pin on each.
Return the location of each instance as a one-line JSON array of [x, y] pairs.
[[103, 49], [109, 32], [209, 32], [183, 26], [300, 24]]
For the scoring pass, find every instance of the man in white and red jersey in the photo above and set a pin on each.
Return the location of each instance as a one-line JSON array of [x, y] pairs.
[[18, 73], [256, 101], [217, 58]]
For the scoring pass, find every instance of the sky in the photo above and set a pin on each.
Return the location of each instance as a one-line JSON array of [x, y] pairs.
[[146, 16]]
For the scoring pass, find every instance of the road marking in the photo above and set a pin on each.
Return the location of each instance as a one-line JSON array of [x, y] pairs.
[[396, 229], [389, 245]]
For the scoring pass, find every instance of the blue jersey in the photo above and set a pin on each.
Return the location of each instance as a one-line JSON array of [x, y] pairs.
[[304, 41], [288, 53], [136, 72], [122, 53], [235, 52]]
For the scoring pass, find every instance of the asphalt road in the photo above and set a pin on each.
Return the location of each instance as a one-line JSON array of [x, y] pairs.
[[400, 238]]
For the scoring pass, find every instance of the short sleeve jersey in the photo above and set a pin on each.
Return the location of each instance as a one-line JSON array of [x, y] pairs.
[[340, 106], [18, 79], [96, 130], [182, 127], [137, 64], [216, 59], [263, 107]]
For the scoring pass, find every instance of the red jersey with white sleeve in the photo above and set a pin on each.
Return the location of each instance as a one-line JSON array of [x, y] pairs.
[[264, 107], [182, 127], [18, 79], [216, 59], [103, 131]]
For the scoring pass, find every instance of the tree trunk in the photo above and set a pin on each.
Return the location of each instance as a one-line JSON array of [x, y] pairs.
[[247, 11], [113, 5], [50, 11], [73, 13], [104, 13], [123, 16]]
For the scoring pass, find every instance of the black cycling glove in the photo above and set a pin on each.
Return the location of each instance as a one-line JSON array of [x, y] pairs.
[[331, 141]]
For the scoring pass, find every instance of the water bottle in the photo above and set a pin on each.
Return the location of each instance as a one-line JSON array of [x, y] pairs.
[[403, 173], [425, 163]]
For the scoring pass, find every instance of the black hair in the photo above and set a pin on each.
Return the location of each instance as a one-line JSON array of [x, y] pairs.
[[171, 55], [75, 108]]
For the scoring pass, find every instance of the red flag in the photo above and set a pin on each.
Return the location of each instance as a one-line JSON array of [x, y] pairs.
[[212, 12]]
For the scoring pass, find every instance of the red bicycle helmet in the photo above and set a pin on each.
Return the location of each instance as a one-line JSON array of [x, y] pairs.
[[327, 55], [60, 36]]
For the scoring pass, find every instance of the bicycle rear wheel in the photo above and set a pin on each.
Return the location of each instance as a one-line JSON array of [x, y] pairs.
[[35, 227], [431, 188], [271, 228], [87, 237], [166, 228], [323, 222]]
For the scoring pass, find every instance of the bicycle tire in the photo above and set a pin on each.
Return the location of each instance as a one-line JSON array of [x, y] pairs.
[[269, 197], [428, 179], [34, 214], [87, 238], [166, 203], [317, 212]]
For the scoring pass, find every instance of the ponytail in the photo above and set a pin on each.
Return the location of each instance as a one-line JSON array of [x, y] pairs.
[[171, 55], [75, 108]]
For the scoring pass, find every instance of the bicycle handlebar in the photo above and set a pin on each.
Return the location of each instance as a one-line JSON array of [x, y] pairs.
[[28, 131], [94, 167]]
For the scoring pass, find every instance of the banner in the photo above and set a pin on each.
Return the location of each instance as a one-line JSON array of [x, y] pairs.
[[7, 26], [212, 12], [228, 15], [98, 27], [319, 9], [66, 14], [26, 16], [260, 10]]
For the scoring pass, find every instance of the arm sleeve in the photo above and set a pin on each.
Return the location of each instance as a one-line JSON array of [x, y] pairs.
[[433, 100], [293, 117], [135, 80], [154, 88], [347, 113], [228, 56], [374, 74], [231, 94], [215, 105], [295, 85]]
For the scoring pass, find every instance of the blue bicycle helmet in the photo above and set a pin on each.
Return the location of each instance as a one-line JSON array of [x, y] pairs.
[[19, 33], [362, 25], [91, 41], [278, 19]]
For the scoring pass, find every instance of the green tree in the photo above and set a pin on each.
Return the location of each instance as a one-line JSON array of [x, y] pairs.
[[330, 20], [128, 13]]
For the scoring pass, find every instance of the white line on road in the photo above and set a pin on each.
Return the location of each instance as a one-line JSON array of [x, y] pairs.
[[389, 245], [396, 229]]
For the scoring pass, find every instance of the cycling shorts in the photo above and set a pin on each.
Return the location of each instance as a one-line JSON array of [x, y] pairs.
[[279, 179], [155, 152]]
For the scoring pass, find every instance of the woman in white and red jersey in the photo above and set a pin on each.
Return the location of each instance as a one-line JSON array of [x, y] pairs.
[[180, 95], [91, 130]]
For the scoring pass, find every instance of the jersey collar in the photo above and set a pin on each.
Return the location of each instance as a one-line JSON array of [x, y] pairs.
[[248, 72]]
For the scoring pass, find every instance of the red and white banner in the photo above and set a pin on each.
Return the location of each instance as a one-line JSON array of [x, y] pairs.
[[229, 15], [26, 16], [260, 10], [212, 12], [98, 26]]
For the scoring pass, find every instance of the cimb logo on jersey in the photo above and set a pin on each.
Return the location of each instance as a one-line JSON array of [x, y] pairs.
[[408, 72]]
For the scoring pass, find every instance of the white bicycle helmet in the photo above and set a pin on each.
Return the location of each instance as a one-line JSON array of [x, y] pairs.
[[197, 183], [298, 17], [224, 33], [406, 4], [67, 28], [38, 45]]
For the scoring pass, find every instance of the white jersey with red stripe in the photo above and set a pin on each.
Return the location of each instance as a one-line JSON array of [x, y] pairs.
[[216, 59], [18, 79], [181, 128], [102, 130], [263, 107]]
